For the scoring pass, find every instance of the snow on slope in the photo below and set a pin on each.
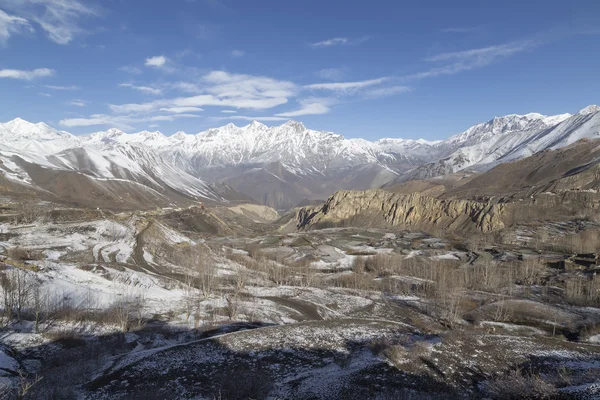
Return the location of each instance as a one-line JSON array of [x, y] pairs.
[[42, 145], [35, 138], [509, 138], [159, 158], [300, 150]]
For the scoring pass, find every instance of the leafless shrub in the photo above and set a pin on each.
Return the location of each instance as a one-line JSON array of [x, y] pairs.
[[354, 281], [26, 384], [241, 277], [583, 290], [397, 355], [307, 272], [17, 287], [127, 311], [232, 304], [18, 253], [519, 385], [7, 391], [381, 264], [278, 273], [201, 271], [28, 211]]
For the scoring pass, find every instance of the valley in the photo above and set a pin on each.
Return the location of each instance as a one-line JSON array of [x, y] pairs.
[[127, 275]]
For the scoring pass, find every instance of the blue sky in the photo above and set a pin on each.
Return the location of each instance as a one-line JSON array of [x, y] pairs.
[[360, 68]]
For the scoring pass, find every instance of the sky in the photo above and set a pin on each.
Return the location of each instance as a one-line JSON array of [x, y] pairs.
[[369, 69]]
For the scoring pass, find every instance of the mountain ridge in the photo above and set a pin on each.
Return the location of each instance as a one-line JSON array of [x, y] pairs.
[[285, 164]]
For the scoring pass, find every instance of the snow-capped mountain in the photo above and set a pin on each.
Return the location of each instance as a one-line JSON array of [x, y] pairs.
[[36, 156], [509, 138], [301, 150], [282, 165], [35, 138]]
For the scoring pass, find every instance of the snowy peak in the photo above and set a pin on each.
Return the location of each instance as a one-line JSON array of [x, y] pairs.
[[504, 125], [108, 135], [556, 119], [592, 109], [297, 126], [25, 129], [256, 126], [35, 138]]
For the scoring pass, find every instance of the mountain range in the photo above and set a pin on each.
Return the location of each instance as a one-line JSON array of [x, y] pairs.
[[279, 166]]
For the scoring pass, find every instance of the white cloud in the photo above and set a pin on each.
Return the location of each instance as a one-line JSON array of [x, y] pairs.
[[26, 75], [333, 74], [388, 91], [187, 87], [45, 94], [11, 24], [459, 30], [143, 89], [130, 69], [53, 87], [181, 110], [340, 41], [474, 58], [120, 121], [331, 42], [172, 117], [79, 103], [346, 86], [311, 106], [60, 19], [229, 111], [223, 89], [98, 119], [245, 118], [487, 53], [237, 53], [156, 61]]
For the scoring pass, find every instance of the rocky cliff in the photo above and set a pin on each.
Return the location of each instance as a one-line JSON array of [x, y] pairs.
[[374, 208]]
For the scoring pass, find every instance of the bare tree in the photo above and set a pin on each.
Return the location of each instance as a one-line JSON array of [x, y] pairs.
[[26, 384], [39, 298], [232, 303]]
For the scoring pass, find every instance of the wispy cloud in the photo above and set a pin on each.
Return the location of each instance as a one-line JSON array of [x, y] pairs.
[[26, 75], [487, 54], [11, 24], [60, 19], [45, 94], [120, 121], [310, 106], [331, 42], [217, 88], [246, 118], [459, 30], [156, 61], [229, 111], [181, 110], [54, 87], [346, 86], [340, 41], [455, 62], [237, 53], [78, 103], [130, 69], [143, 89], [388, 91], [332, 74]]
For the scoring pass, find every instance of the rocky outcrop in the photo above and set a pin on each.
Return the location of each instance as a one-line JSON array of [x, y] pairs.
[[375, 208], [256, 212]]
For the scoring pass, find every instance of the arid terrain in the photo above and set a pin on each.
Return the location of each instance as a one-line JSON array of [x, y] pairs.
[[428, 290]]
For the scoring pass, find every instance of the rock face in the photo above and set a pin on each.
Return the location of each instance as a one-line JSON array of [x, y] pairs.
[[256, 212], [375, 208]]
